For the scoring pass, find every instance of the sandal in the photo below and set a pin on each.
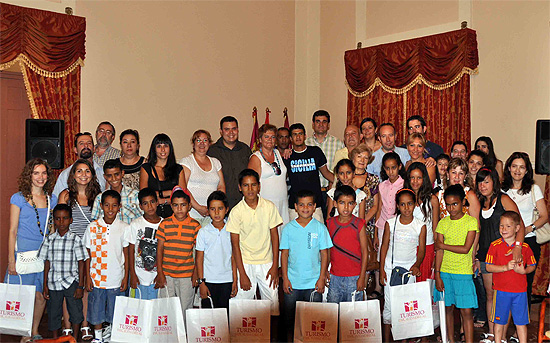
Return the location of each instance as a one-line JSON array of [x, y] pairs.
[[487, 338], [35, 338], [86, 333], [461, 337], [67, 332], [479, 324], [513, 339]]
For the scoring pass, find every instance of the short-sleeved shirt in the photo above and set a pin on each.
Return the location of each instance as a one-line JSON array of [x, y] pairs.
[[28, 233], [106, 243], [109, 154], [254, 229], [129, 206], [63, 252], [526, 205], [216, 245], [376, 166], [509, 281], [304, 245], [329, 147], [455, 232], [62, 179], [303, 173], [179, 239], [340, 155], [141, 234], [345, 255], [406, 238], [359, 196]]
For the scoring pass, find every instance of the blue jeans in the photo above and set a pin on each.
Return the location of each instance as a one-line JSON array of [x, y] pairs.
[[101, 305], [290, 306], [147, 292], [341, 288]]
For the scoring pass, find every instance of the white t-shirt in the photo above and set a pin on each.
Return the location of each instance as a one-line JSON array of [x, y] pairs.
[[106, 242], [525, 204], [359, 196], [406, 241], [428, 222], [141, 234]]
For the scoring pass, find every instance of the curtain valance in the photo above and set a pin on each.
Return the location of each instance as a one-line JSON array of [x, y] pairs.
[[438, 61]]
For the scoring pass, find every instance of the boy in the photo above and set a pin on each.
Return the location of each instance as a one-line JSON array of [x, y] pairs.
[[176, 237], [129, 209], [217, 274], [453, 262], [142, 245], [63, 254], [509, 278], [304, 256], [107, 267], [348, 256], [253, 224]]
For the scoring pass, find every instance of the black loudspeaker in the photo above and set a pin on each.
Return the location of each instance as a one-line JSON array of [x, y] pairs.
[[45, 140], [542, 152]]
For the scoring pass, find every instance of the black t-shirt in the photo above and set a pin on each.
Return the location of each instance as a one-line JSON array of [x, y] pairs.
[[303, 173]]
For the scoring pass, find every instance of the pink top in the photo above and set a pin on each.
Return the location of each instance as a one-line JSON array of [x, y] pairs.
[[387, 192]]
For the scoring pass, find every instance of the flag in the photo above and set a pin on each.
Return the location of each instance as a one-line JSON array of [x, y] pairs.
[[267, 112], [255, 137], [285, 117]]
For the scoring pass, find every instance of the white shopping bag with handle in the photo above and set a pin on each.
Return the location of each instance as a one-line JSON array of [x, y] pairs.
[[131, 320], [411, 310], [360, 321], [167, 320], [316, 322], [249, 320], [207, 324], [16, 308]]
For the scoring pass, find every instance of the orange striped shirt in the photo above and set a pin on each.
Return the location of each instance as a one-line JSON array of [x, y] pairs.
[[179, 239]]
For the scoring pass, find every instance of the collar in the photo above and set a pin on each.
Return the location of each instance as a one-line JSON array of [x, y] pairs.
[[101, 222]]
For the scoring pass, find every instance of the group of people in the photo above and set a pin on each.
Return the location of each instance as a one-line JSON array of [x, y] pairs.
[[301, 214]]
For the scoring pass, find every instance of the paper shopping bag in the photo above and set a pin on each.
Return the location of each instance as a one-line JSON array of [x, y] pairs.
[[411, 310], [167, 323], [16, 308], [316, 322], [435, 305], [250, 320], [207, 325], [131, 320], [360, 321]]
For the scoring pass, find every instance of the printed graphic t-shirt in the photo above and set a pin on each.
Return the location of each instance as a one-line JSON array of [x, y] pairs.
[[303, 173], [142, 235]]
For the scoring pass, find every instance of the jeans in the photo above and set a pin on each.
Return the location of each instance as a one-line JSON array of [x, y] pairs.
[[101, 305], [480, 313], [220, 294], [341, 288], [290, 306]]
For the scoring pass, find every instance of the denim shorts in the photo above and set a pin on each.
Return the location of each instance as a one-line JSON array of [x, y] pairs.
[[147, 292], [101, 305], [341, 288]]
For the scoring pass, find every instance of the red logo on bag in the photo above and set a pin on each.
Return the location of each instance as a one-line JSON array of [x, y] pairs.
[[12, 305], [318, 325], [249, 322], [411, 306], [131, 320], [361, 323], [208, 331], [163, 320]]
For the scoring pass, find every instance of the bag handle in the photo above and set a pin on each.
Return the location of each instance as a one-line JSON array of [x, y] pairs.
[[355, 293], [211, 302], [312, 295], [8, 282], [393, 239]]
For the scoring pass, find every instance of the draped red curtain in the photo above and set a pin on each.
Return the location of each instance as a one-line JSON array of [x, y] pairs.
[[428, 76], [49, 47]]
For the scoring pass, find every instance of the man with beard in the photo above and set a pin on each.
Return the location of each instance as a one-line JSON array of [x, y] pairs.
[[103, 151], [83, 145]]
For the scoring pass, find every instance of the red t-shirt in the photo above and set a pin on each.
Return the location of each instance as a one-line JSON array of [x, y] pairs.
[[509, 281], [345, 255]]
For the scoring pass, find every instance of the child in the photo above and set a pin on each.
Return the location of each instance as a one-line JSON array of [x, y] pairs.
[[403, 245], [253, 224], [304, 257], [509, 278], [441, 162], [63, 254], [107, 267], [348, 256], [129, 204], [345, 171], [142, 246], [176, 237], [453, 262], [216, 271]]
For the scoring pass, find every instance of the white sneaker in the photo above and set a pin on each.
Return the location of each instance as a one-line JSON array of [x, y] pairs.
[[96, 340], [107, 333]]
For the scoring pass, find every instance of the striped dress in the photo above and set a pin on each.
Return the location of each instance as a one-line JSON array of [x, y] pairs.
[[81, 219]]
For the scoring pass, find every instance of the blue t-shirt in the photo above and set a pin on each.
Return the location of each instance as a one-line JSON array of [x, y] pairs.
[[28, 233], [376, 166], [216, 245], [304, 245]]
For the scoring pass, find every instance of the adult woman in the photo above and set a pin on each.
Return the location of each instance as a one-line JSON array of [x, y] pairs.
[[416, 144], [30, 221], [485, 144], [493, 204], [368, 129], [519, 185], [268, 163], [203, 174], [130, 159], [82, 189], [476, 160], [161, 172]]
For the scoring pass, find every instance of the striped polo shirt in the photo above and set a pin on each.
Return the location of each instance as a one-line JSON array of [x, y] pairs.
[[179, 238]]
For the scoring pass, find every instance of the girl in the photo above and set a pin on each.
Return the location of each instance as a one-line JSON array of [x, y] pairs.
[[345, 170], [442, 163], [426, 210], [476, 160], [130, 159], [485, 144], [403, 245], [416, 145], [368, 129]]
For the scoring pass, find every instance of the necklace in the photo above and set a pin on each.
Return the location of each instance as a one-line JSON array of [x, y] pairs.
[[36, 212], [275, 164], [362, 173]]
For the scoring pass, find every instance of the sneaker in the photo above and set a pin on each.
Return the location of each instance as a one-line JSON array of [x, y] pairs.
[[96, 340], [107, 333]]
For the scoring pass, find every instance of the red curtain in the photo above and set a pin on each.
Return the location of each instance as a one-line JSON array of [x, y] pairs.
[[428, 76]]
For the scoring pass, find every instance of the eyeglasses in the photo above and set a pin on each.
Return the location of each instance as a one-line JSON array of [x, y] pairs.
[[276, 168], [204, 140]]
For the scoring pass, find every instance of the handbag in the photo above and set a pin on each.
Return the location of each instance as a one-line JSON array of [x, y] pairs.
[[163, 210], [399, 275], [543, 232]]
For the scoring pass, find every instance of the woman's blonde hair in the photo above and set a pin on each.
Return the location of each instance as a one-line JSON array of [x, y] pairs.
[[361, 148]]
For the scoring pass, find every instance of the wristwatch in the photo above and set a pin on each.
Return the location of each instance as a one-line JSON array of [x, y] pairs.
[[534, 227], [199, 281], [80, 287], [517, 244]]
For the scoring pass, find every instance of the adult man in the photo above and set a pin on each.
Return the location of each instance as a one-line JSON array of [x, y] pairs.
[[105, 135], [233, 155], [417, 124], [83, 145], [352, 138], [303, 167], [386, 135], [283, 139], [459, 149]]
